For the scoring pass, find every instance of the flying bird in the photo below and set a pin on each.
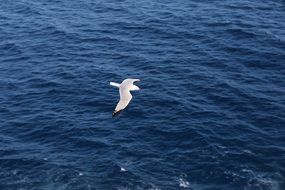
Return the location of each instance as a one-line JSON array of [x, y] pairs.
[[125, 96]]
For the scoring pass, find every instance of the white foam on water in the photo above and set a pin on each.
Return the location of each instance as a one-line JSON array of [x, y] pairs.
[[183, 183], [255, 179], [247, 151], [262, 181], [153, 187], [123, 169]]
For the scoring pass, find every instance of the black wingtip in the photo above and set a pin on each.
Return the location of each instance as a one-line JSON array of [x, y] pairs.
[[115, 113]]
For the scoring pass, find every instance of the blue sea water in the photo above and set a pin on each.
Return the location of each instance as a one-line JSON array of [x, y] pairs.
[[210, 115]]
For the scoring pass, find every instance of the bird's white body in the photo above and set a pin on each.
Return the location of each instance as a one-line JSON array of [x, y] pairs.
[[125, 96]]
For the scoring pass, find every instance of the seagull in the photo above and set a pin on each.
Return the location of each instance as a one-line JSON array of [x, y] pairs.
[[125, 96]]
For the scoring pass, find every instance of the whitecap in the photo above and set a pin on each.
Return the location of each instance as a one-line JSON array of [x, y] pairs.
[[183, 183], [80, 174]]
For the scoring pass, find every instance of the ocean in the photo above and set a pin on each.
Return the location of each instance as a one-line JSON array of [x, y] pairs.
[[210, 114]]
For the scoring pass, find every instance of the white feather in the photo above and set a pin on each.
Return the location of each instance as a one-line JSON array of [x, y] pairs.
[[125, 96], [115, 84]]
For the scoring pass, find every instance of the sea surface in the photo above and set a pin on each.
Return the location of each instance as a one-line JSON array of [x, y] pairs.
[[210, 115]]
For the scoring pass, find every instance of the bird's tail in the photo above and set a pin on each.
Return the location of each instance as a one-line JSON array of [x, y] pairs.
[[114, 84]]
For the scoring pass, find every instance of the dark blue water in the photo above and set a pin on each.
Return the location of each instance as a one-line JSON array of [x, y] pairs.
[[210, 115]]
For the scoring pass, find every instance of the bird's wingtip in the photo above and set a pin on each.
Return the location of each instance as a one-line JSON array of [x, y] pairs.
[[115, 113]]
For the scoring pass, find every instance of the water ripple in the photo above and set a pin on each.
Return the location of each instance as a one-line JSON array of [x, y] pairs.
[[210, 114]]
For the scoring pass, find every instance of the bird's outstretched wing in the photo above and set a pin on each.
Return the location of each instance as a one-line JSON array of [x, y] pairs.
[[115, 84], [125, 98]]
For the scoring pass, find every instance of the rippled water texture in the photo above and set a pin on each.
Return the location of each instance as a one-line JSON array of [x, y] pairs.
[[210, 115]]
